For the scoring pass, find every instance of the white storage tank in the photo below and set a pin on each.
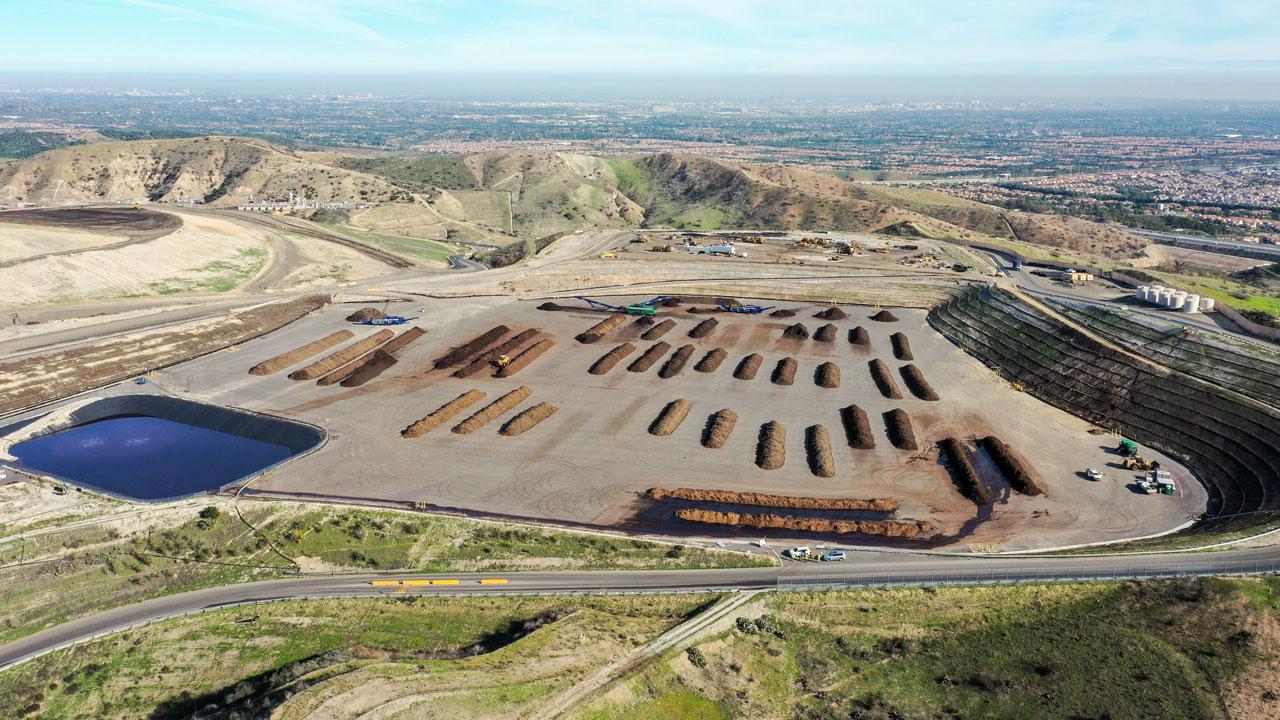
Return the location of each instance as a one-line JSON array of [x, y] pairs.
[[1206, 304], [1141, 292], [1166, 297], [1192, 303], [1175, 302]]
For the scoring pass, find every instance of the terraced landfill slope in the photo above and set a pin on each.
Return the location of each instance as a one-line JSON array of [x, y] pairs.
[[1251, 369], [1230, 442]]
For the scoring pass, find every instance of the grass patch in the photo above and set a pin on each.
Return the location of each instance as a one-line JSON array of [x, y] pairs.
[[89, 569], [492, 653], [218, 276], [403, 245], [1117, 650]]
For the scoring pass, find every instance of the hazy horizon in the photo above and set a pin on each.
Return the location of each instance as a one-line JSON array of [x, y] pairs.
[[1213, 49], [1132, 89]]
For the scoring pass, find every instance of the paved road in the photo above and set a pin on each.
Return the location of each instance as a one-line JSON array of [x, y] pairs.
[[862, 569], [1229, 247]]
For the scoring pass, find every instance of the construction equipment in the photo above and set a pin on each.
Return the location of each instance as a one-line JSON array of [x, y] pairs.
[[608, 255], [1137, 462], [745, 309], [502, 361], [640, 308], [1127, 447]]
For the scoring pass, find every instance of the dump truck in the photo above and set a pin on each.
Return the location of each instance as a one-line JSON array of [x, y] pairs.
[[1126, 447]]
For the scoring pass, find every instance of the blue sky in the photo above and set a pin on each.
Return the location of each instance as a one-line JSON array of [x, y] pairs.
[[634, 36]]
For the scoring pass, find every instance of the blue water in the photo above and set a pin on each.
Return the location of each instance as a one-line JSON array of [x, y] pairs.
[[147, 458]]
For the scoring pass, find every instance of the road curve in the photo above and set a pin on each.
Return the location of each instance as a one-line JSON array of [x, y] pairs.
[[863, 569]]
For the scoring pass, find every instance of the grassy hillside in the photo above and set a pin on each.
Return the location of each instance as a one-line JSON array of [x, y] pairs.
[[220, 170], [499, 196], [1190, 649], [1194, 649]]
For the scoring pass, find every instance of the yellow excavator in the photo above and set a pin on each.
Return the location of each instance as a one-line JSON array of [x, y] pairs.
[[502, 361]]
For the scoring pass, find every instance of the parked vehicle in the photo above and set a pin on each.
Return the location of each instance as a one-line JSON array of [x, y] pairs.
[[832, 556], [799, 553], [1093, 474]]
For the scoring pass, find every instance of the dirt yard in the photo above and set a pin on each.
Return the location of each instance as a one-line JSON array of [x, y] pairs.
[[591, 461]]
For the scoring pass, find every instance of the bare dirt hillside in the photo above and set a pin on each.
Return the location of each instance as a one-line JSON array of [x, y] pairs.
[[218, 170]]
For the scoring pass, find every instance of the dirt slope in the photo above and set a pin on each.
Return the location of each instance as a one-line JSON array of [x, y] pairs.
[[218, 170]]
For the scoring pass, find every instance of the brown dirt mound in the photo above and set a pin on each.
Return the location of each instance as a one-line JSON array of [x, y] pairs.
[[1020, 475], [794, 502], [670, 418], [676, 362], [644, 321], [827, 375], [526, 356], [658, 330], [650, 356], [602, 328], [550, 306], [817, 443], [458, 354], [372, 364], [483, 360], [962, 472], [442, 414], [906, 529], [898, 425], [916, 383], [771, 446], [884, 381], [527, 419], [832, 313], [606, 361], [704, 328], [332, 362], [901, 346], [379, 360], [859, 336], [487, 413], [796, 332], [364, 314], [748, 367], [784, 373], [784, 312], [719, 428], [884, 316], [298, 354], [671, 303], [826, 333], [857, 427], [345, 371], [711, 361]]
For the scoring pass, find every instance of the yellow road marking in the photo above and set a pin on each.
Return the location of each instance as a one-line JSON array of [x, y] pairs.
[[417, 582], [444, 582], [493, 581], [385, 583]]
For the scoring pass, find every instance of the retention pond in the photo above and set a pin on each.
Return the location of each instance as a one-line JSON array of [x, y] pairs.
[[159, 448]]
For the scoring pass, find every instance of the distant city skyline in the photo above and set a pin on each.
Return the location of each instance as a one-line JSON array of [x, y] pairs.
[[1192, 49]]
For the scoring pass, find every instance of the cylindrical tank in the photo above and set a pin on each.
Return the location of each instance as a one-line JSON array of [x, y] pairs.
[[1192, 303], [1166, 297], [1141, 291], [1175, 302], [1206, 304]]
